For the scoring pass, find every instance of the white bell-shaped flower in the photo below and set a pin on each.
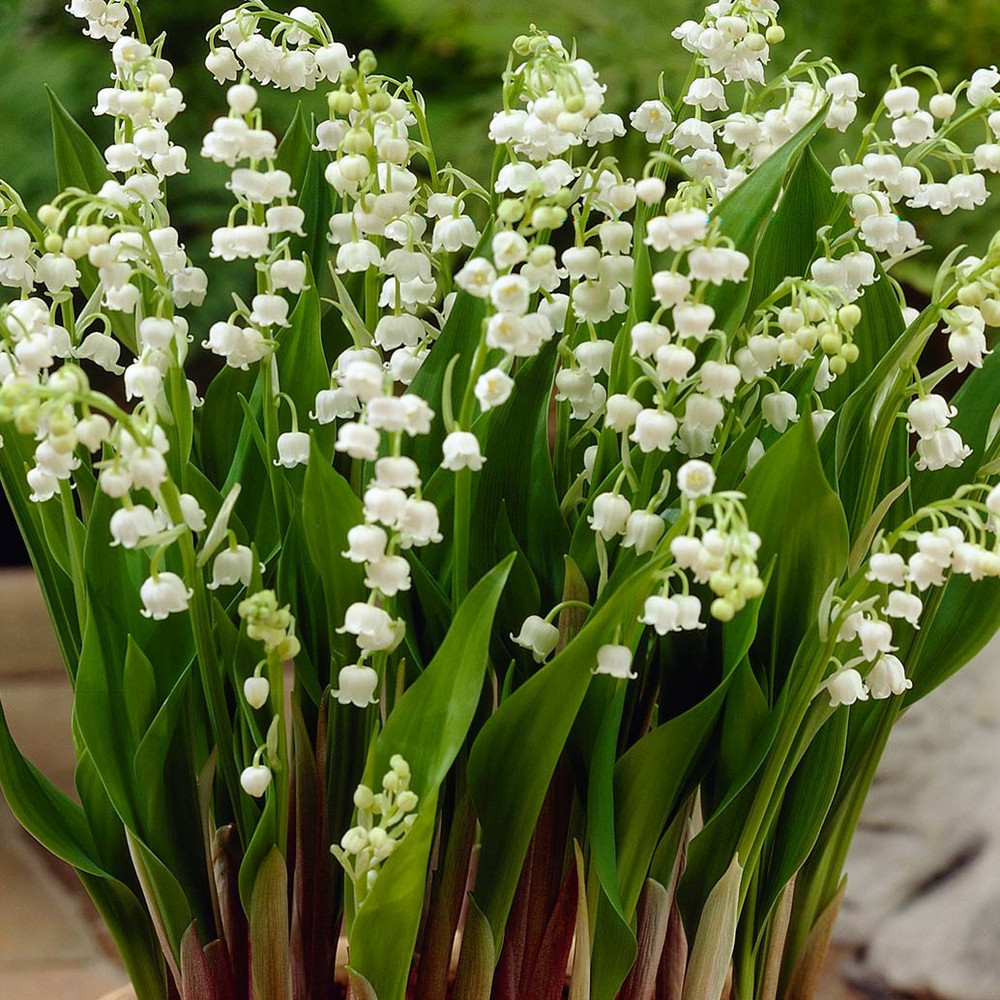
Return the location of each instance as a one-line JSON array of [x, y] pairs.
[[643, 530], [365, 543], [397, 471], [256, 691], [231, 567], [256, 780], [689, 608], [943, 448], [129, 525], [930, 414], [780, 409], [610, 515], [696, 478], [164, 594], [461, 451], [356, 686], [493, 388], [419, 523], [621, 412], [846, 687], [360, 441], [293, 449], [888, 677], [373, 628], [388, 574], [875, 638], [538, 635], [887, 567], [615, 661], [902, 604], [662, 613], [654, 430]]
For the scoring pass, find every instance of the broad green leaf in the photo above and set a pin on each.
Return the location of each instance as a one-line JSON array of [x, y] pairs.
[[53, 819], [518, 475], [221, 444], [459, 336], [789, 243], [330, 508], [165, 894], [78, 161], [56, 586], [744, 212], [427, 727], [150, 760], [315, 199], [128, 923], [516, 752], [295, 148], [802, 527], [651, 776], [263, 840], [718, 839], [804, 810], [302, 363], [744, 715], [139, 691], [967, 618], [708, 966], [61, 826], [272, 974]]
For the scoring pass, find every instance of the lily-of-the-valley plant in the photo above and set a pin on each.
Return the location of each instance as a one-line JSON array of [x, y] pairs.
[[515, 590]]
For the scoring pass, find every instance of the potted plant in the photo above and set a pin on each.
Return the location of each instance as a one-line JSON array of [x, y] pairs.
[[526, 597]]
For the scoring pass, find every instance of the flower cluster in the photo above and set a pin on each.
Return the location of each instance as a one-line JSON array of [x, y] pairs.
[[956, 541], [562, 100], [384, 819], [297, 53]]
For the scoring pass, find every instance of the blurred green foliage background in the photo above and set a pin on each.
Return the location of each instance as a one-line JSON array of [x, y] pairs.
[[455, 50]]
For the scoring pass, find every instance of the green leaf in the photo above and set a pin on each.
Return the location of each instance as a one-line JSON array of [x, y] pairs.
[[518, 475], [789, 240], [427, 727], [712, 952], [128, 923], [651, 777], [79, 163], [56, 586], [330, 508], [272, 974], [803, 529], [150, 759], [804, 810], [515, 754], [315, 200], [614, 947], [60, 825], [967, 618], [263, 840], [459, 336], [302, 363], [744, 212], [139, 691], [54, 820], [294, 150], [221, 444]]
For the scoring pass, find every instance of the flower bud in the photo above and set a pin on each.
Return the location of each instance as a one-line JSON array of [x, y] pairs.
[[256, 691]]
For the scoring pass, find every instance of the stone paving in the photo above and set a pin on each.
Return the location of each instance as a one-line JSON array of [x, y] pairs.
[[51, 943]]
